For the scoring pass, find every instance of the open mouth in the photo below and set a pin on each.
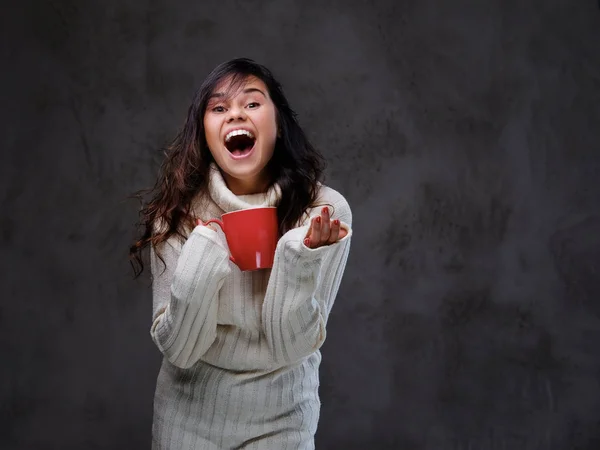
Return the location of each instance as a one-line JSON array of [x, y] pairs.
[[239, 142]]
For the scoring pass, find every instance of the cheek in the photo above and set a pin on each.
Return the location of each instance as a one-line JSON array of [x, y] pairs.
[[269, 122], [211, 132]]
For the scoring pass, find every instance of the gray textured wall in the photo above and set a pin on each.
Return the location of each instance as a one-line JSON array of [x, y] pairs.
[[464, 135]]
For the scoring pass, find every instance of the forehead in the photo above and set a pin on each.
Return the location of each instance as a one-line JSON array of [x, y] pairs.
[[231, 87]]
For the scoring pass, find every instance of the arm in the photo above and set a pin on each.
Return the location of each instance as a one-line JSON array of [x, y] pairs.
[[185, 295], [301, 291]]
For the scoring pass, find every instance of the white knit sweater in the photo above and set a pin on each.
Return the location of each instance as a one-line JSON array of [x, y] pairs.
[[241, 349]]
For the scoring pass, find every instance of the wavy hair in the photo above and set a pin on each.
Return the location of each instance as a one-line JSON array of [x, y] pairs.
[[295, 165]]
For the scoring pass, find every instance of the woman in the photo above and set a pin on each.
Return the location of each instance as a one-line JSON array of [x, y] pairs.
[[241, 349]]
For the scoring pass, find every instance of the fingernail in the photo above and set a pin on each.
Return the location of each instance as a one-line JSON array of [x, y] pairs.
[[326, 210], [306, 242], [336, 222], [318, 219]]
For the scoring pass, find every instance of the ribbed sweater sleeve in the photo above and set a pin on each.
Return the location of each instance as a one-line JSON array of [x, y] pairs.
[[185, 292], [302, 288]]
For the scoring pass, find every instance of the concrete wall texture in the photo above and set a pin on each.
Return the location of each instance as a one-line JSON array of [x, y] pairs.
[[464, 135]]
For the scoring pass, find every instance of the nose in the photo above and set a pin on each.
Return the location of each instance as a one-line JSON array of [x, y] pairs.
[[236, 113]]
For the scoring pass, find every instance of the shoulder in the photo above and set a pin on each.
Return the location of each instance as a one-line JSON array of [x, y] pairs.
[[173, 241], [328, 196]]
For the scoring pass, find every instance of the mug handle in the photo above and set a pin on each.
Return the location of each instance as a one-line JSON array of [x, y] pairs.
[[218, 222]]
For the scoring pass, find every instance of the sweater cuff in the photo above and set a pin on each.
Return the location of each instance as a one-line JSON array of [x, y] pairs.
[[211, 236]]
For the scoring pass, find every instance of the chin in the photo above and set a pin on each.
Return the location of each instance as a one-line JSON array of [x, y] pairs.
[[242, 170]]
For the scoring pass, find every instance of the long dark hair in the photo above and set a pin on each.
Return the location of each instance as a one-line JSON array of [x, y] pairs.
[[296, 165]]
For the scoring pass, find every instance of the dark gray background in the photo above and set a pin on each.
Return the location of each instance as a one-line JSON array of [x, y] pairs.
[[464, 135]]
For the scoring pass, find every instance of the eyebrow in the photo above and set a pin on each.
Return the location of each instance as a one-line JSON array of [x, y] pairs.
[[245, 91]]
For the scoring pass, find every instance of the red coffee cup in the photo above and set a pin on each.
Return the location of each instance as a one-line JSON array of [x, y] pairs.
[[252, 236]]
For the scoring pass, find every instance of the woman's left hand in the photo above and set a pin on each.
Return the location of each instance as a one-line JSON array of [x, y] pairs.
[[324, 231]]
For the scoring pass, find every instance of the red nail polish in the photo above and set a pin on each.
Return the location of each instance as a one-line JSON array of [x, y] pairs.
[[336, 222], [326, 210], [306, 242], [318, 219]]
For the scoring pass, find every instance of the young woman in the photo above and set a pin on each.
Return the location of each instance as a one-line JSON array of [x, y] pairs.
[[241, 349]]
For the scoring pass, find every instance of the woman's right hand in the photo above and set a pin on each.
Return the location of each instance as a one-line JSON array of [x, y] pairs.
[[210, 225]]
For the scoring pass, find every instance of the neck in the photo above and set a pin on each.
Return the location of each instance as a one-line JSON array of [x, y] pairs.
[[255, 185]]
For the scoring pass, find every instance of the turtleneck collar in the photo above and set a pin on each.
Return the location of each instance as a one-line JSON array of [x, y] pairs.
[[228, 201]]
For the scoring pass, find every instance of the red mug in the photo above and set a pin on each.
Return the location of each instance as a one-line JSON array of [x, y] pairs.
[[252, 236]]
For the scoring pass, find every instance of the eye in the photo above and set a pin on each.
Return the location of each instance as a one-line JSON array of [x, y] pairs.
[[253, 105], [218, 109]]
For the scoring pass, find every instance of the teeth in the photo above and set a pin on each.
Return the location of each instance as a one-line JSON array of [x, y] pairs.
[[237, 133]]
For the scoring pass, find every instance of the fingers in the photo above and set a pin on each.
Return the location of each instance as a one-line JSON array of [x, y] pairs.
[[210, 226], [334, 235], [325, 225], [313, 239], [324, 231]]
